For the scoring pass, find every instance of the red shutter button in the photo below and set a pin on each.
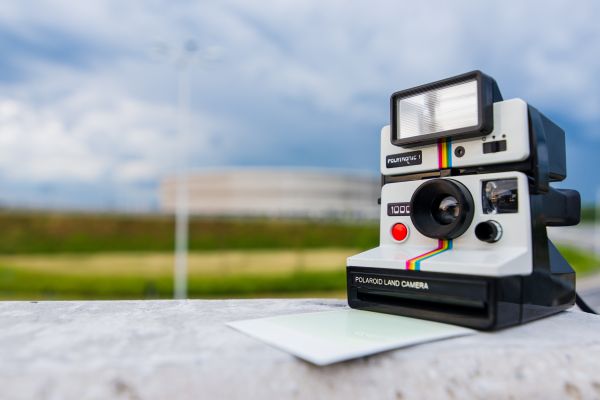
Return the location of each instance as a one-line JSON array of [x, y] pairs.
[[399, 232]]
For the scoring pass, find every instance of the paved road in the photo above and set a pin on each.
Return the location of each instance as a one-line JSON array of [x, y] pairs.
[[589, 289], [592, 298], [587, 237], [584, 236]]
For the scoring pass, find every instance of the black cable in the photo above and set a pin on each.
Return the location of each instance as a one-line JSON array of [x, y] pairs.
[[583, 305]]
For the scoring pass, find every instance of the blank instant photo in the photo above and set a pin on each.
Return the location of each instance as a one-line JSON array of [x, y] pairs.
[[329, 337]]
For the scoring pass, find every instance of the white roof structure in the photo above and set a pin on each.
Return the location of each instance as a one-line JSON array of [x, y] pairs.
[[277, 192]]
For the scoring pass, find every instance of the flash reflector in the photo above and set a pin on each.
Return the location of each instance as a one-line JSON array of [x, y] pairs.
[[438, 110], [457, 107]]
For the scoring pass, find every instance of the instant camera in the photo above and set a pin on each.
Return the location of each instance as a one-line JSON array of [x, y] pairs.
[[465, 202]]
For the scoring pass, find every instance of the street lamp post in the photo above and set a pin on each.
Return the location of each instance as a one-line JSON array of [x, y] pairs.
[[182, 189], [597, 223], [184, 59]]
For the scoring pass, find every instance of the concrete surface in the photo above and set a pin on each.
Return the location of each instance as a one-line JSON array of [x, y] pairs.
[[183, 350]]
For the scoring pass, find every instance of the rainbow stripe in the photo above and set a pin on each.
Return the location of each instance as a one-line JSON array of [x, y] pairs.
[[415, 263], [444, 153], [444, 161]]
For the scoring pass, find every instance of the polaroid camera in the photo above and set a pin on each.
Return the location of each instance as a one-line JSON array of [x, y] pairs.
[[465, 202]]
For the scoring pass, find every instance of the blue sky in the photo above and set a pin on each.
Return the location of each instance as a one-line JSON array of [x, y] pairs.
[[88, 90]]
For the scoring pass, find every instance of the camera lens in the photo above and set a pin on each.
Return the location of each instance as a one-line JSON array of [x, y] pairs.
[[447, 210], [442, 209]]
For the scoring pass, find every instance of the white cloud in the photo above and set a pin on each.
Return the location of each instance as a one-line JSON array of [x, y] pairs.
[[35, 144], [103, 108], [94, 134]]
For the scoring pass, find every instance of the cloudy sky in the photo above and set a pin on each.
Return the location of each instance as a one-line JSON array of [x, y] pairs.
[[88, 90]]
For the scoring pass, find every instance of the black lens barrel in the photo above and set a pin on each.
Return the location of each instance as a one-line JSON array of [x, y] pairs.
[[426, 203]]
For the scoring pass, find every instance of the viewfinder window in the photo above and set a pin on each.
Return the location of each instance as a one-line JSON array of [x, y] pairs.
[[500, 196]]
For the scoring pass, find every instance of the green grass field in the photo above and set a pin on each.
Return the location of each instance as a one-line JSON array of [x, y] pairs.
[[239, 273], [79, 256], [110, 256], [44, 233]]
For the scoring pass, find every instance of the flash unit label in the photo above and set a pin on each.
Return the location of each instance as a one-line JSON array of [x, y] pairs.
[[404, 159], [398, 209]]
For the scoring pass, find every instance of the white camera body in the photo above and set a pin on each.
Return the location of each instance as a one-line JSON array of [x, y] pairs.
[[469, 255], [464, 211], [510, 124], [511, 255]]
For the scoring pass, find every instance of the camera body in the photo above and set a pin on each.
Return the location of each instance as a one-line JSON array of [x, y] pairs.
[[464, 211]]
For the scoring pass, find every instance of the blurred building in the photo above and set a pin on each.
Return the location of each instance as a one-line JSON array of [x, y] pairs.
[[277, 192]]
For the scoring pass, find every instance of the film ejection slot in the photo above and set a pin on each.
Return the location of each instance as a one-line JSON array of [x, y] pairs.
[[488, 231]]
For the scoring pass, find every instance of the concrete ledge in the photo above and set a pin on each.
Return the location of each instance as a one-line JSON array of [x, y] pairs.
[[181, 349]]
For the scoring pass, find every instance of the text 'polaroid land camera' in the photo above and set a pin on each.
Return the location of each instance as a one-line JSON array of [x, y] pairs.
[[465, 202]]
